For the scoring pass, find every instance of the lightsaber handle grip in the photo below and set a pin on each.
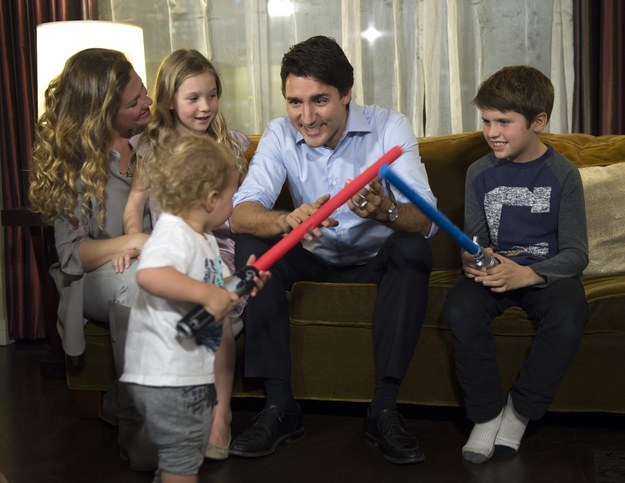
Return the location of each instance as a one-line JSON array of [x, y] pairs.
[[481, 257], [241, 283], [484, 259]]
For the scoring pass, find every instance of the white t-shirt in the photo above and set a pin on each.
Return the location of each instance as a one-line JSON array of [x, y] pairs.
[[153, 354]]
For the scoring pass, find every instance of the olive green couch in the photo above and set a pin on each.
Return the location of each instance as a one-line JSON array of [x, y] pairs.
[[331, 323]]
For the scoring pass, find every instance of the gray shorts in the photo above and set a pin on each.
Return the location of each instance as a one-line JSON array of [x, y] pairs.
[[178, 421]]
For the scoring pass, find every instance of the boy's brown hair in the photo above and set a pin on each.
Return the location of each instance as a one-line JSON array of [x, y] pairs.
[[193, 166], [517, 88]]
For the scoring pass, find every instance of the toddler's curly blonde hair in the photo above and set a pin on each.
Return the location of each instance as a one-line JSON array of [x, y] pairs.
[[191, 167]]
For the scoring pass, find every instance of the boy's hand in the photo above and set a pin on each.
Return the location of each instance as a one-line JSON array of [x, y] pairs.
[[470, 269], [122, 261], [133, 244], [508, 275], [220, 302]]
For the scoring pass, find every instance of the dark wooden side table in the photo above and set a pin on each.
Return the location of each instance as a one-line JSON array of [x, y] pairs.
[[42, 236]]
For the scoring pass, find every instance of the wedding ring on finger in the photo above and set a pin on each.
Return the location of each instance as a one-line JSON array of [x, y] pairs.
[[363, 204]]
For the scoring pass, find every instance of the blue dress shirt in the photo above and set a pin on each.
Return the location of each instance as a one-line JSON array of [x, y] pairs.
[[282, 155]]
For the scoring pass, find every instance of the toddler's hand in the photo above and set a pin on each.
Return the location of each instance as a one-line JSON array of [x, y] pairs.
[[122, 261]]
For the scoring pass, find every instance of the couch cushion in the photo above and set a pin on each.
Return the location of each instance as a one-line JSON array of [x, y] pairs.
[[446, 159], [586, 150], [604, 193]]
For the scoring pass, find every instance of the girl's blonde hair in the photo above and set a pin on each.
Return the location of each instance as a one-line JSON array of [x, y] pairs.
[[192, 166], [74, 134], [178, 66]]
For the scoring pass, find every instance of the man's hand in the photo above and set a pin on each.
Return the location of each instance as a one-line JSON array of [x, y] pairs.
[[299, 215], [370, 201]]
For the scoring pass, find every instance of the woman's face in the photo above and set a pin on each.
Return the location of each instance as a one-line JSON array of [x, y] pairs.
[[134, 111]]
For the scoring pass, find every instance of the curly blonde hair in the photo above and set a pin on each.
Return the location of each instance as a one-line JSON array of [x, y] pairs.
[[74, 134], [191, 167], [174, 69]]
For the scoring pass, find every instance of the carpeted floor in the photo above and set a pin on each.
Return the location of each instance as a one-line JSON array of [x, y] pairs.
[[609, 466]]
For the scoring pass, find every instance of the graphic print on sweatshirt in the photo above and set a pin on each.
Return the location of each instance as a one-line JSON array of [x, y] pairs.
[[536, 201], [521, 207]]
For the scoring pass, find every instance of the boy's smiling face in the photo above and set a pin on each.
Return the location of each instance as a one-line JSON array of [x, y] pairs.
[[509, 136]]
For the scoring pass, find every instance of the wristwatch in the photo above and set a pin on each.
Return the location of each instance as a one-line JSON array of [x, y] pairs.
[[392, 213]]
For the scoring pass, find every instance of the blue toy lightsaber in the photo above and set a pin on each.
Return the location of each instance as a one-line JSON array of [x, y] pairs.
[[481, 257]]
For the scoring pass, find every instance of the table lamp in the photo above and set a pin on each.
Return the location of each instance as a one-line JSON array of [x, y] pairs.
[[57, 41]]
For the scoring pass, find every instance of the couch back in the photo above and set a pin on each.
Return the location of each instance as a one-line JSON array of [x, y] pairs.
[[447, 158]]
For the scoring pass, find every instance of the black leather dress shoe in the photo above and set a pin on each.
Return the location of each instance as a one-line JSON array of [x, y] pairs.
[[388, 431], [272, 427]]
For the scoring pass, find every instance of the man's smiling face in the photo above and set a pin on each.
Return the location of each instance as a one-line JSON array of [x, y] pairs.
[[317, 110]]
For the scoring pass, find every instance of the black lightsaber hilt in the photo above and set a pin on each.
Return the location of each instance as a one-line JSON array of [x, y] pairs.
[[241, 283]]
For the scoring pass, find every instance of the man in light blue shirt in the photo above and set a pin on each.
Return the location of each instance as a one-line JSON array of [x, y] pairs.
[[326, 140]]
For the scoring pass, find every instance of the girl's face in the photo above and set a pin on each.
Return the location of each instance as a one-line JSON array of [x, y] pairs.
[[134, 111], [196, 103]]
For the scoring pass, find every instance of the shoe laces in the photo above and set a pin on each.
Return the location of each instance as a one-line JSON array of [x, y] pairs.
[[267, 415], [393, 420]]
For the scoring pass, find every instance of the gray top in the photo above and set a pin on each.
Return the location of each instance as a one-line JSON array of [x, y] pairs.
[[68, 273], [531, 212]]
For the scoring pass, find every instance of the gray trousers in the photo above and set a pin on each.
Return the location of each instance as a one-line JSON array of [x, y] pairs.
[[103, 285]]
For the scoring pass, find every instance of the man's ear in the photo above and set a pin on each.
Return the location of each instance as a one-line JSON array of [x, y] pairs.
[[540, 122], [347, 97]]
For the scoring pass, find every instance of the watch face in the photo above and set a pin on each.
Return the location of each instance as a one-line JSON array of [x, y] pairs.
[[392, 214]]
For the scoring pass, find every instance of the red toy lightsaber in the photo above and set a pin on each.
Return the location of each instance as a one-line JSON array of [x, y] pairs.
[[242, 282]]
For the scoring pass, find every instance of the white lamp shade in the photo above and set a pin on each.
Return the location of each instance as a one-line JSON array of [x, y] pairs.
[[57, 41]]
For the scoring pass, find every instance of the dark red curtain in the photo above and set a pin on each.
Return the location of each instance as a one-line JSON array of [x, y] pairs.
[[18, 98], [599, 97]]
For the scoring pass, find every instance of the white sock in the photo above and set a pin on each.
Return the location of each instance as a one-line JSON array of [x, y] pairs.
[[481, 443], [512, 427]]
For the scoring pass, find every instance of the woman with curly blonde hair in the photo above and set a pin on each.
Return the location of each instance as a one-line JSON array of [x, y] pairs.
[[83, 164], [186, 101]]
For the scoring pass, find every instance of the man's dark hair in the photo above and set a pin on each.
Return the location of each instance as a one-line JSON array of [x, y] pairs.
[[517, 88], [320, 58]]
